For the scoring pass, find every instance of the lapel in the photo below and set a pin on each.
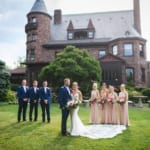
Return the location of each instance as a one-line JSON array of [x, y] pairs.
[[23, 89], [66, 90]]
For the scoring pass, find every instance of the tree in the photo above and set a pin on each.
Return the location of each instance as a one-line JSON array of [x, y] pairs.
[[4, 81], [74, 63]]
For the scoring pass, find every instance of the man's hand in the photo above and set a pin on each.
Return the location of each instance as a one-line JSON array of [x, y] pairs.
[[46, 101], [25, 99]]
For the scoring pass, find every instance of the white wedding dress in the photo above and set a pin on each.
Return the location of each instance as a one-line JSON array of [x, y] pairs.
[[91, 131]]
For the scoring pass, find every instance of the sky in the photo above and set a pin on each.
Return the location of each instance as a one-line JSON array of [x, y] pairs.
[[13, 20]]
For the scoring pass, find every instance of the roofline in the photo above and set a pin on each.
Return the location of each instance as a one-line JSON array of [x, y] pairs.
[[87, 43], [104, 12], [37, 12]]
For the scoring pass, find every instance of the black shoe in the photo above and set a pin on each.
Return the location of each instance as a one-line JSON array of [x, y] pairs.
[[48, 121], [24, 119], [18, 121], [65, 134]]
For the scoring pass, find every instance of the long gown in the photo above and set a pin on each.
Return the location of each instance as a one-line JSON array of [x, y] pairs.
[[92, 131], [124, 118], [94, 113], [103, 106]]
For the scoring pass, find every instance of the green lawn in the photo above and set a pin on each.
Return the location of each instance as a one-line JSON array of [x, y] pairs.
[[43, 136]]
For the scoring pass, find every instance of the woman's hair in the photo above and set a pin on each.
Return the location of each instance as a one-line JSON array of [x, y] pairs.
[[94, 84], [75, 83]]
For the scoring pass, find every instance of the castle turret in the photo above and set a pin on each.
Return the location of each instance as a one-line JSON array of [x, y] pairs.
[[38, 34]]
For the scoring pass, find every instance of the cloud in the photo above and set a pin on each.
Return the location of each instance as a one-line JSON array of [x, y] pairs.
[[10, 52]]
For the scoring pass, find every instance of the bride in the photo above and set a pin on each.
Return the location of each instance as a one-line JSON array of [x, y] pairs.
[[90, 131], [77, 127]]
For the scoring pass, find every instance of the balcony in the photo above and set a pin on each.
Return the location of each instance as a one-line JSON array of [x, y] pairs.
[[31, 26]]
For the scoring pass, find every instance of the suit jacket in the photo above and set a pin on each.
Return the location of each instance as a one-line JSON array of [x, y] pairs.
[[45, 96], [22, 94], [64, 96], [32, 95]]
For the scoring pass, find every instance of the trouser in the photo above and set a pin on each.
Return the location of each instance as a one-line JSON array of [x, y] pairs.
[[65, 114], [22, 108], [33, 106], [45, 108]]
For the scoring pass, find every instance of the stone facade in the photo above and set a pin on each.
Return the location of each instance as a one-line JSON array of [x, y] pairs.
[[42, 46]]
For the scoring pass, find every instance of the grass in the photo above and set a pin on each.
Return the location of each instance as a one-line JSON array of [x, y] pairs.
[[43, 136]]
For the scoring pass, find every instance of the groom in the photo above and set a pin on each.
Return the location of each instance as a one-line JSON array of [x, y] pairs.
[[64, 96]]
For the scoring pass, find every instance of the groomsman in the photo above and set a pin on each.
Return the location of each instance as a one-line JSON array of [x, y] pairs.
[[22, 94], [34, 98], [45, 97]]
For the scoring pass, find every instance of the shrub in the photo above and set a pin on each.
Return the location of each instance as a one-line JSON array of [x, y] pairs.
[[10, 97], [146, 92]]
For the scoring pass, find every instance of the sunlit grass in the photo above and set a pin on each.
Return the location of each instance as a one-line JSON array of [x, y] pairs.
[[44, 136]]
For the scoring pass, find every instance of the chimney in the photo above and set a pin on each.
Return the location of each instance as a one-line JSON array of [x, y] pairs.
[[57, 16], [137, 18]]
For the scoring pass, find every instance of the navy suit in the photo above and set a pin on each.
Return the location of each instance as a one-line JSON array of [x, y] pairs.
[[64, 96], [22, 94], [34, 98], [45, 107]]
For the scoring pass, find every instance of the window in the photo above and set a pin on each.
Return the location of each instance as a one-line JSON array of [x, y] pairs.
[[80, 35], [70, 36], [141, 49], [142, 74], [128, 49], [33, 20], [129, 74], [32, 55], [102, 53], [34, 37], [90, 35], [115, 50]]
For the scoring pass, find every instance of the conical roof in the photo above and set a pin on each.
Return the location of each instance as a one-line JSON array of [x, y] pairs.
[[39, 6]]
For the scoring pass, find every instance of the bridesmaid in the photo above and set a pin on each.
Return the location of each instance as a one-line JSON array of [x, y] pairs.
[[103, 101], [112, 106], [94, 113], [123, 100]]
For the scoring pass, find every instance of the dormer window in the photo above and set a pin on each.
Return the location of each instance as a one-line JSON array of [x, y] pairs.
[[90, 35], [80, 35], [70, 36]]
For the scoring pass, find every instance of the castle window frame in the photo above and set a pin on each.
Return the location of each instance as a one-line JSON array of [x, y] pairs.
[[141, 50], [128, 49], [32, 55], [34, 37], [70, 36], [143, 75], [130, 74], [115, 49], [90, 34], [102, 53], [33, 19], [80, 35]]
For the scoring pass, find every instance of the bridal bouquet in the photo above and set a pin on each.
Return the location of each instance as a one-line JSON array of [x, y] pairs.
[[73, 103]]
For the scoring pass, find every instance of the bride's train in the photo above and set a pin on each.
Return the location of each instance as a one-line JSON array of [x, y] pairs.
[[92, 131]]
